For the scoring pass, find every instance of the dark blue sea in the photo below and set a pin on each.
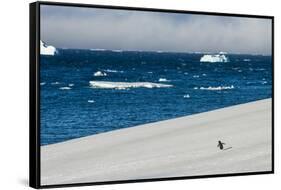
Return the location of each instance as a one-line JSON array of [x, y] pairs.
[[154, 86]]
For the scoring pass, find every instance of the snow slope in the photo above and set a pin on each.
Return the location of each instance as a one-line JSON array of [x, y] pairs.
[[185, 146]]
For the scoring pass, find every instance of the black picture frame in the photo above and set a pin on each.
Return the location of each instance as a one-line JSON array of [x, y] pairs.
[[34, 93]]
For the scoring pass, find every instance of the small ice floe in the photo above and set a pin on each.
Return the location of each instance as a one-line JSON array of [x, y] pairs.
[[55, 83], [100, 74], [42, 83], [186, 96], [204, 74], [126, 85], [91, 101], [217, 88], [195, 88], [65, 88], [213, 58], [195, 76], [163, 80], [70, 84], [246, 60]]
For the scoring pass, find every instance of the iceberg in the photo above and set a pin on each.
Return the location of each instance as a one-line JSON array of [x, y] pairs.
[[126, 85], [221, 57], [47, 50]]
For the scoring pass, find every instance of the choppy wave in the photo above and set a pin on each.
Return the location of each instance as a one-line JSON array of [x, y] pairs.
[[215, 88], [126, 85]]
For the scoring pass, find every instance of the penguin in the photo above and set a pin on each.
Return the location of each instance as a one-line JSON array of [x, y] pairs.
[[220, 145]]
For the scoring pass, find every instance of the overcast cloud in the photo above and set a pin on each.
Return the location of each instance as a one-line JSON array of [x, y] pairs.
[[86, 28]]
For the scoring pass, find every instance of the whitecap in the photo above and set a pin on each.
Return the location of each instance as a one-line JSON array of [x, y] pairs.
[[195, 76], [126, 85], [100, 74], [70, 84], [42, 83], [246, 60], [91, 101], [65, 88], [55, 83], [186, 96], [113, 71]]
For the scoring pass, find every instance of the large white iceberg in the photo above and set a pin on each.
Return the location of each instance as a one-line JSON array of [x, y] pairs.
[[47, 50], [221, 57]]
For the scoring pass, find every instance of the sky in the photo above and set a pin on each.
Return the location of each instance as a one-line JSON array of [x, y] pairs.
[[96, 28]]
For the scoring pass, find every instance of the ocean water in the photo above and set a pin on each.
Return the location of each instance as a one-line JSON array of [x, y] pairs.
[[86, 92]]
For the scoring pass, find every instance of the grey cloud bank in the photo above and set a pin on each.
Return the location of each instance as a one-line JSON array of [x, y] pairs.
[[87, 28]]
